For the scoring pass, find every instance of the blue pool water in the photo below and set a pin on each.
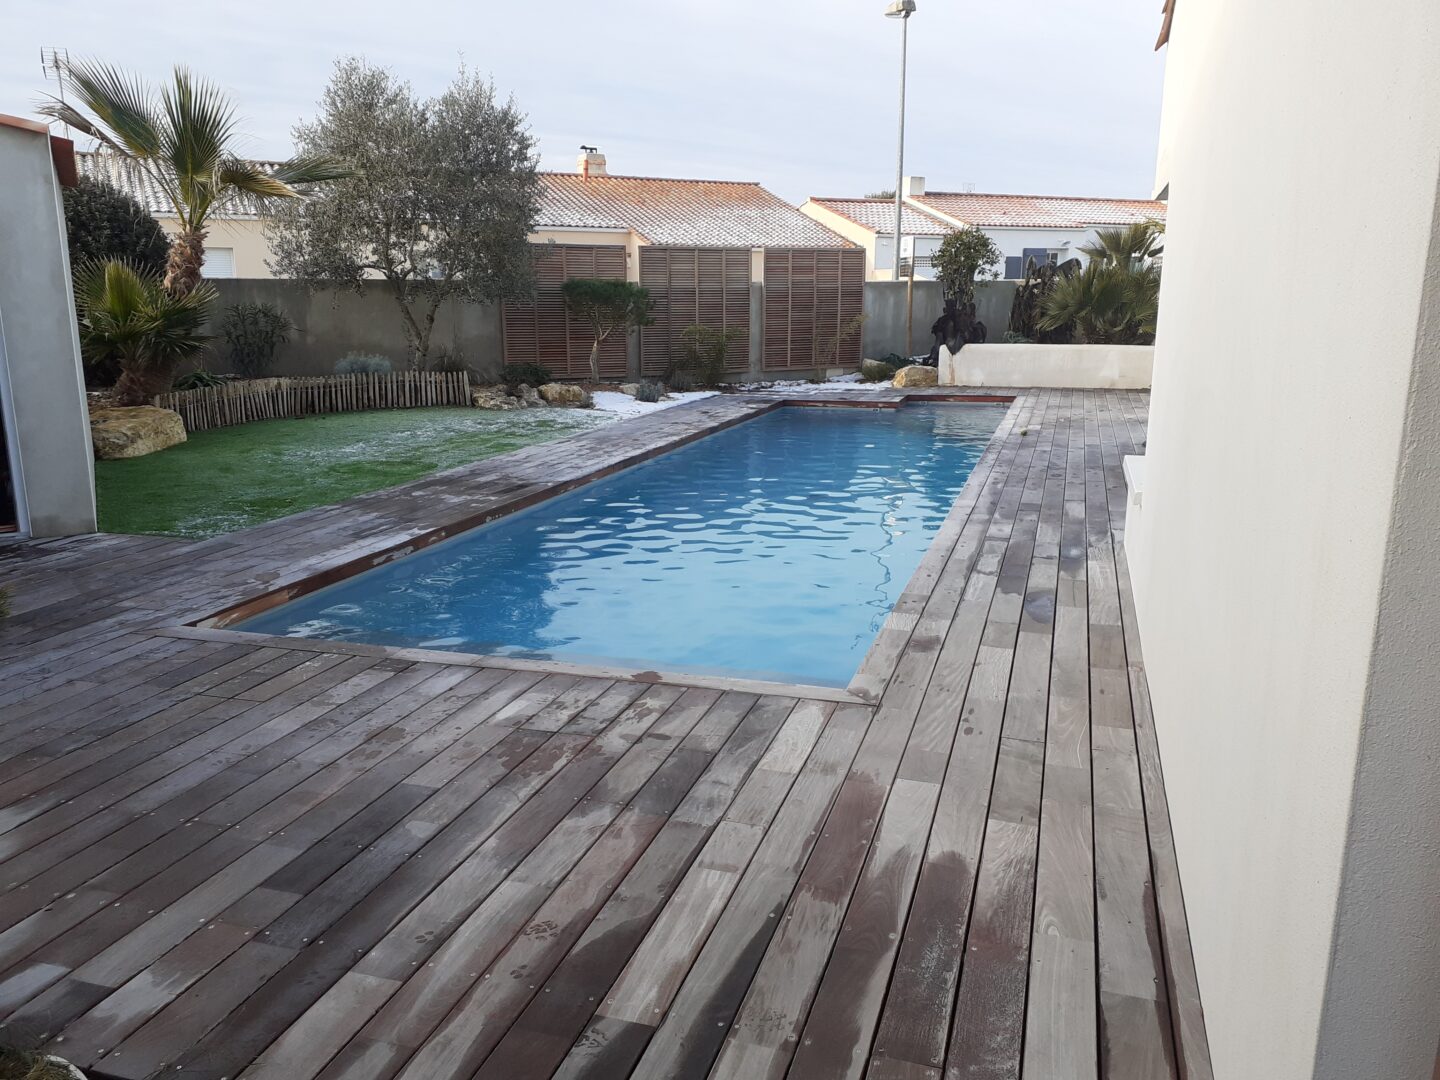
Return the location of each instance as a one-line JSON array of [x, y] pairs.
[[770, 550]]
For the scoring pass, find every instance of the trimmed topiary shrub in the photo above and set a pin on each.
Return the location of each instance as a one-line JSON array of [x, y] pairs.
[[363, 364]]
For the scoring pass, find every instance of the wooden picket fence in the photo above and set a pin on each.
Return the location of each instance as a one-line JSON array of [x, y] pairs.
[[242, 401]]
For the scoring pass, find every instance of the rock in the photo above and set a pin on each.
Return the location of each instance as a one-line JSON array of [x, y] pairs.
[[529, 397], [134, 431], [917, 375], [567, 394], [629, 388], [494, 397]]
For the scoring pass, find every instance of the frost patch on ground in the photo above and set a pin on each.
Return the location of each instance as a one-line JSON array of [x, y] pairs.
[[800, 386], [623, 405]]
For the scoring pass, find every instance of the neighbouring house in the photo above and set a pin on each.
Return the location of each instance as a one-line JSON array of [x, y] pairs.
[[1047, 228], [871, 224], [236, 245], [720, 253], [47, 480], [1282, 530]]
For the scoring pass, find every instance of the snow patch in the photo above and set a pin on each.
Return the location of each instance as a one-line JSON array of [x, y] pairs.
[[623, 405]]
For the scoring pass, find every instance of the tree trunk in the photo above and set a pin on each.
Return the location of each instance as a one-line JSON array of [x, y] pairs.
[[595, 361], [138, 384], [187, 256]]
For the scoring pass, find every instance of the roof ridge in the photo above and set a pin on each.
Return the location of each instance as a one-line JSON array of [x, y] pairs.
[[667, 179], [1020, 195]]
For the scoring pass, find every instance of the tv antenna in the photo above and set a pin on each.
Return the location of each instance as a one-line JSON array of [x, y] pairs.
[[53, 63]]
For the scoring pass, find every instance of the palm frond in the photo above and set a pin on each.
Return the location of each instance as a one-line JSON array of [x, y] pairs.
[[123, 105], [125, 312], [201, 124], [302, 171]]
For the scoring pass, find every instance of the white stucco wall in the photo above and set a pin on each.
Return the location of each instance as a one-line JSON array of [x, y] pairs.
[[1285, 619], [39, 344], [1124, 367]]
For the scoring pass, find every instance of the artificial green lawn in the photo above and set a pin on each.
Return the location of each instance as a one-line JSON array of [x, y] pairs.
[[232, 478]]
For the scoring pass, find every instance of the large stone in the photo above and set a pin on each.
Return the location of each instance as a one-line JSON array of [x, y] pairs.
[[134, 431], [567, 394], [916, 375], [494, 397], [629, 388]]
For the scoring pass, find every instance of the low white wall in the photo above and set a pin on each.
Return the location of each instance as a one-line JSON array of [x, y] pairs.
[[1104, 367]]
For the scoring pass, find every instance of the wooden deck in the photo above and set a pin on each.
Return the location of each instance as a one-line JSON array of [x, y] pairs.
[[222, 857]]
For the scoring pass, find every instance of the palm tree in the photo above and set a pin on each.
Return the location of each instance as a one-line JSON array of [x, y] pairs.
[[181, 139], [1105, 304], [1130, 246], [127, 315]]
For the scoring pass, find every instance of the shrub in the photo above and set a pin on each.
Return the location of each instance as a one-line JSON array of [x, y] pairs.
[[363, 364], [877, 370], [196, 380], [1107, 304], [704, 351], [649, 391], [965, 255], [513, 375], [1013, 338], [102, 222], [128, 317], [253, 333], [680, 381]]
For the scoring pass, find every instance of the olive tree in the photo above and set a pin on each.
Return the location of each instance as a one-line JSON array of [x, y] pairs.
[[442, 200], [607, 305], [965, 255]]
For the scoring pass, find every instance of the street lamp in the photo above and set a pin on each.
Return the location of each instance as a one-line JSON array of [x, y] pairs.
[[902, 10]]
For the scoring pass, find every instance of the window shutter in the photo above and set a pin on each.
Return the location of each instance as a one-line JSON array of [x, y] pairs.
[[219, 263], [1014, 266]]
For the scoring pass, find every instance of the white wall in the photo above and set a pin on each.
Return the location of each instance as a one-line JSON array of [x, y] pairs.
[[39, 344], [1111, 367], [1285, 569]]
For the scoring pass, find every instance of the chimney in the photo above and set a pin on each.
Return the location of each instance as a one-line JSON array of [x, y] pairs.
[[913, 187], [590, 162]]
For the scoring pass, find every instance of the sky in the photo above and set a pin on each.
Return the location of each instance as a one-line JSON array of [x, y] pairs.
[[1056, 97]]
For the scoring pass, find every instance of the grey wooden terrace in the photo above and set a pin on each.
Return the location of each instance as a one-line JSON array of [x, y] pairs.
[[227, 856]]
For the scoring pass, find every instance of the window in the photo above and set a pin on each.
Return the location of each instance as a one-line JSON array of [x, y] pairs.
[[219, 263]]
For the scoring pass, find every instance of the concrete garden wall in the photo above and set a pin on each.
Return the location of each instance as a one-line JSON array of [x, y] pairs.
[[329, 325], [885, 309], [1112, 367]]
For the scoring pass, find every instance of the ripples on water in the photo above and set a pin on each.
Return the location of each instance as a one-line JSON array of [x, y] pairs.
[[773, 549]]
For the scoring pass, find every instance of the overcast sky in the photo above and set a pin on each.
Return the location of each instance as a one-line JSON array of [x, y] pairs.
[[1050, 96]]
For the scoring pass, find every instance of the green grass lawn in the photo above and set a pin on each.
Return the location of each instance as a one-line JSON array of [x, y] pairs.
[[232, 478]]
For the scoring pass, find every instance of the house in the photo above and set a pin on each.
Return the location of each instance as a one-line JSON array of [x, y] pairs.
[[236, 244], [1282, 530], [1047, 228], [725, 254], [47, 481], [871, 224]]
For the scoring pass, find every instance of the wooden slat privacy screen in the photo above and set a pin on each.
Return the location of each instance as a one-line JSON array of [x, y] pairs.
[[809, 295], [710, 286], [544, 332]]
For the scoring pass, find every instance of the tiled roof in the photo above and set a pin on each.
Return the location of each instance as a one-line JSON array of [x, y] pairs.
[[117, 170], [1042, 211], [878, 215], [680, 213]]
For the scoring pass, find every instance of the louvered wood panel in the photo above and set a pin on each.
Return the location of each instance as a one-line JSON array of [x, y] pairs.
[[710, 286], [809, 295], [544, 332]]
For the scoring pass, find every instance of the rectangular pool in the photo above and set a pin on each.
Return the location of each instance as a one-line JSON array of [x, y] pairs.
[[773, 550]]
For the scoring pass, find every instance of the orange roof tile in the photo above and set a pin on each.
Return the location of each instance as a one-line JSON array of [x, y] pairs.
[[680, 213], [1040, 211]]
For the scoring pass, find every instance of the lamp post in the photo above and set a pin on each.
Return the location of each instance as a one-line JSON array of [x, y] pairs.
[[902, 10]]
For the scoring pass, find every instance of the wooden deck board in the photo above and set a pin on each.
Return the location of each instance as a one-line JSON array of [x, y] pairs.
[[223, 857]]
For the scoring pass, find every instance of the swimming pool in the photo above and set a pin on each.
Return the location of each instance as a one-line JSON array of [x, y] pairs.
[[771, 550]]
